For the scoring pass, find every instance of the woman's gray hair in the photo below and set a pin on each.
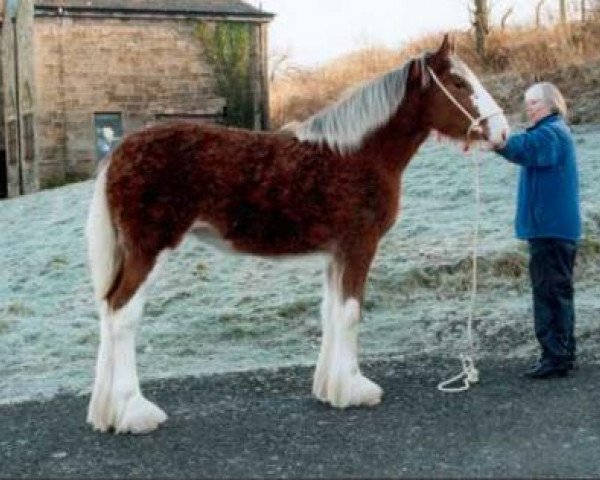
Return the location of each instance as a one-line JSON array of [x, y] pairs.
[[550, 95]]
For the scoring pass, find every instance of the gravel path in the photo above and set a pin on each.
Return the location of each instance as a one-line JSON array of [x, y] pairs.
[[266, 424]]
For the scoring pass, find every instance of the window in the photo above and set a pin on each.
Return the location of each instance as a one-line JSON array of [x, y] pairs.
[[109, 131], [12, 142], [28, 149]]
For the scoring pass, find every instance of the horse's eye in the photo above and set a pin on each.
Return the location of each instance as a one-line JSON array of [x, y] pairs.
[[460, 84]]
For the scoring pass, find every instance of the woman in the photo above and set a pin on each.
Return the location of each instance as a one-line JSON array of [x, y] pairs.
[[548, 217]]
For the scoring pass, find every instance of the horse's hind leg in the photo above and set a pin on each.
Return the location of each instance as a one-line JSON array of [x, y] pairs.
[[117, 401], [338, 379]]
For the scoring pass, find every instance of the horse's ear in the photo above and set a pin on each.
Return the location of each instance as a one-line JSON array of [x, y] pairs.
[[446, 48], [439, 57], [416, 71]]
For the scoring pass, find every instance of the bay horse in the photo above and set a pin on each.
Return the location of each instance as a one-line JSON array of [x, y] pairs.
[[331, 186]]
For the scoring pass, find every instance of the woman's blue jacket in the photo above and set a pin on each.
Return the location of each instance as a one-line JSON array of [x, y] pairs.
[[548, 194]]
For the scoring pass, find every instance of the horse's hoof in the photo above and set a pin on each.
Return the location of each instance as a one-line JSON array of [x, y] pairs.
[[319, 388], [360, 392], [353, 391], [98, 415], [97, 422], [370, 393], [140, 416]]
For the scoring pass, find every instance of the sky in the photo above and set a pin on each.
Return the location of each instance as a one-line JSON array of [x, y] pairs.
[[314, 31]]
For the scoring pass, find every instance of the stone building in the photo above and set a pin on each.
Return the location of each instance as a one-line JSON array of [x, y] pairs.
[[79, 74]]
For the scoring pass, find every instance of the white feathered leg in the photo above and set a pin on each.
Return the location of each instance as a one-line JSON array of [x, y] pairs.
[[338, 379]]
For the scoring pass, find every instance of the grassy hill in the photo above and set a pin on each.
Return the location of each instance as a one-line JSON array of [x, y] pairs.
[[514, 59]]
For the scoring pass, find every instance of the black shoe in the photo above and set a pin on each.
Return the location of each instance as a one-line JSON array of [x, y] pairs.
[[572, 365], [547, 369]]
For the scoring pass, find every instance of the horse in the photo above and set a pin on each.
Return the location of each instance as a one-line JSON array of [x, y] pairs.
[[331, 186]]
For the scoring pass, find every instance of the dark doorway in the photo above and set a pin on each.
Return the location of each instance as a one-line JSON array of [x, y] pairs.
[[3, 175]]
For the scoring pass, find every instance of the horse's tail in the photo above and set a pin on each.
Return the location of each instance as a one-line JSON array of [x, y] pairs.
[[105, 255]]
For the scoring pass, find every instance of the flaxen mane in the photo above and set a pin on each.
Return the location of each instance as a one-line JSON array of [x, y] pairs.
[[344, 125]]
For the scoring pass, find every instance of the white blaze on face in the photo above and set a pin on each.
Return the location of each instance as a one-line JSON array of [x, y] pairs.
[[483, 103]]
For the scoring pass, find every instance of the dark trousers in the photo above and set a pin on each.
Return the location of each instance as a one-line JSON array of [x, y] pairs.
[[551, 272]]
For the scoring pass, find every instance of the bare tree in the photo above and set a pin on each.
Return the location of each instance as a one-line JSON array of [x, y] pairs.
[[481, 22], [538, 13], [563, 11], [278, 63], [505, 16], [583, 11]]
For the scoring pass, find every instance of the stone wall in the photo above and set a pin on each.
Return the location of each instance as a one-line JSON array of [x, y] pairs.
[[142, 68]]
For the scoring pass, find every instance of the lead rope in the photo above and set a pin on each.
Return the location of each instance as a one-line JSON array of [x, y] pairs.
[[469, 374]]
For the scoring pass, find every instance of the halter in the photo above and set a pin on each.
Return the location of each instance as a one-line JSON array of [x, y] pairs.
[[475, 122]]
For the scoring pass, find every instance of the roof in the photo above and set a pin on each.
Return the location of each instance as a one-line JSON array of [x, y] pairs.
[[228, 8]]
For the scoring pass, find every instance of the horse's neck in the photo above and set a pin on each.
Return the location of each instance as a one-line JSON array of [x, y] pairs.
[[397, 142]]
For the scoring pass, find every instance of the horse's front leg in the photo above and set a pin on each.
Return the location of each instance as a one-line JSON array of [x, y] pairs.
[[338, 379]]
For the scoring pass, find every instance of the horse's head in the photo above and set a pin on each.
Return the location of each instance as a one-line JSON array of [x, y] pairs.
[[455, 103]]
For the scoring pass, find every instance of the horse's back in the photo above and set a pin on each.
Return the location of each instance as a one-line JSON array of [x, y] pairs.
[[247, 184], [177, 145], [265, 193]]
